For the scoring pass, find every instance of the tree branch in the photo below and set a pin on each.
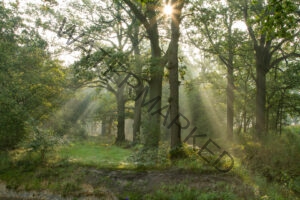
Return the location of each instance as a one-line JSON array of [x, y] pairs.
[[278, 60], [142, 18], [278, 46], [250, 29]]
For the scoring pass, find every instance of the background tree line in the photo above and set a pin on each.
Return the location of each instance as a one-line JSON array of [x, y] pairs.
[[260, 64]]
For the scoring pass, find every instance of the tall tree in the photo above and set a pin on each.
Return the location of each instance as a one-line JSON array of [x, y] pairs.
[[149, 20], [219, 36], [272, 26], [134, 35], [101, 71], [177, 6], [104, 25]]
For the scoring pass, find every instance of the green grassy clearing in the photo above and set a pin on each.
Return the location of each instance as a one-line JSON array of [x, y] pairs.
[[95, 155], [271, 172]]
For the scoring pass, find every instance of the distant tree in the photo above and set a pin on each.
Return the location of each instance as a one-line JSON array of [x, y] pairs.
[[215, 34], [282, 96]]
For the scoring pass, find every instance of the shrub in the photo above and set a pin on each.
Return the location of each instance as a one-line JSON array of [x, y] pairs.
[[144, 157], [275, 158], [41, 142], [5, 161]]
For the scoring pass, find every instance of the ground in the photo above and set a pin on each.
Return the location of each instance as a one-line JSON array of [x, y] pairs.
[[129, 184], [97, 169], [146, 182]]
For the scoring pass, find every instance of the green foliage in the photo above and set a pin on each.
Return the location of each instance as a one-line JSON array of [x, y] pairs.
[[69, 188], [144, 2], [5, 161], [279, 19], [275, 159], [31, 83], [182, 192], [100, 65], [150, 158], [42, 141], [184, 151], [282, 98]]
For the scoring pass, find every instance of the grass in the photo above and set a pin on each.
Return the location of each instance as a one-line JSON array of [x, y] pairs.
[[65, 169], [92, 154], [269, 167], [182, 192]]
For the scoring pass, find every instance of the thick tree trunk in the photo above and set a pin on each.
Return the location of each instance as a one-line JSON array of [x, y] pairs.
[[149, 21], [173, 75], [121, 115], [174, 85], [152, 136], [260, 99], [174, 102], [137, 117]]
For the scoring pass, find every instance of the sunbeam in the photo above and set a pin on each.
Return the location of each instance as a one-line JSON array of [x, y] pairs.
[[168, 9]]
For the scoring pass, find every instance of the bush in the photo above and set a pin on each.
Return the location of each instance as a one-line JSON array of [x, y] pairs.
[[275, 158], [144, 157], [12, 131], [41, 142], [5, 161]]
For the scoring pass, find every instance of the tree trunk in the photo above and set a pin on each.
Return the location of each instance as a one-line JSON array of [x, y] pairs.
[[260, 97], [174, 82], [173, 75], [110, 124], [230, 100], [152, 137], [103, 127], [137, 120], [245, 123], [149, 21], [121, 115], [138, 71]]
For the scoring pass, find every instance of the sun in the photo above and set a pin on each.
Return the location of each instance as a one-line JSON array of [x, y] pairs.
[[168, 9]]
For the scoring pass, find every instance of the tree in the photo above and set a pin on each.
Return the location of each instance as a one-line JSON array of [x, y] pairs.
[[177, 6], [272, 27], [134, 35], [31, 82], [99, 66], [149, 20], [282, 98], [219, 37], [101, 70]]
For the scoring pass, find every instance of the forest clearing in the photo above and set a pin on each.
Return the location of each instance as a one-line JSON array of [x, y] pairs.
[[149, 99]]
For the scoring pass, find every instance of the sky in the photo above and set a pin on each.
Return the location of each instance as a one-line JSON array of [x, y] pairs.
[[66, 57]]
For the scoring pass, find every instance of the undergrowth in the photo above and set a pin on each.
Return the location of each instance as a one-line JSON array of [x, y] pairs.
[[183, 192], [269, 166]]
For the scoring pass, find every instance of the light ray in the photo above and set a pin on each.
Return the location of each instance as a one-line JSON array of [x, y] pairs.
[[168, 9]]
